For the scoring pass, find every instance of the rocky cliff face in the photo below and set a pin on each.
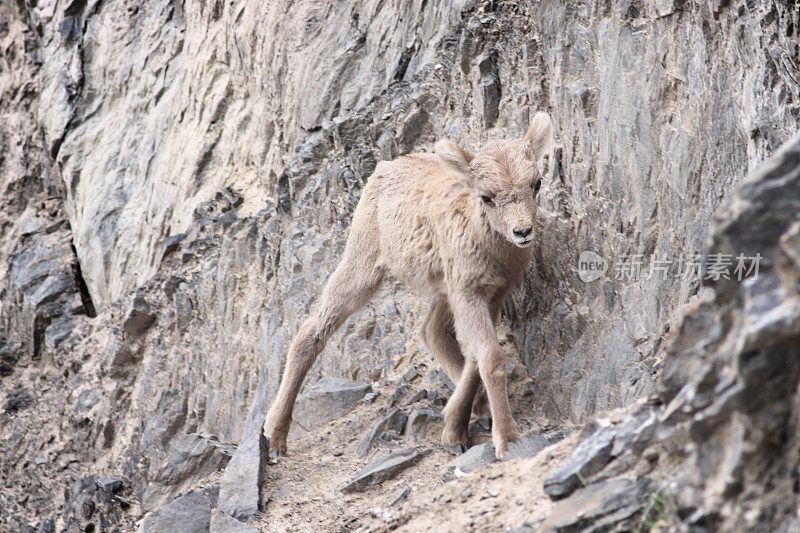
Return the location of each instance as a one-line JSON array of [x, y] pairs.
[[177, 181]]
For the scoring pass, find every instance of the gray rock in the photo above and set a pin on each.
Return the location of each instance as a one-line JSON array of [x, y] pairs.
[[588, 457], [65, 332], [119, 360], [484, 454], [224, 523], [598, 507], [401, 496], [123, 232], [47, 526], [400, 427], [370, 397], [532, 443], [385, 467], [326, 400], [421, 394], [110, 484], [242, 482], [423, 423], [489, 87], [190, 513], [91, 505], [445, 380], [139, 316], [10, 353], [474, 458], [415, 125], [410, 375], [41, 281], [635, 431], [389, 421], [172, 243], [17, 400], [400, 391], [190, 460]]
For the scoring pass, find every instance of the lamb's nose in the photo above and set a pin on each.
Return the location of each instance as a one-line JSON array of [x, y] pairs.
[[523, 232]]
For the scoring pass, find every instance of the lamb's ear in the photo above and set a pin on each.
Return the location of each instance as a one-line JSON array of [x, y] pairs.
[[539, 137], [453, 157]]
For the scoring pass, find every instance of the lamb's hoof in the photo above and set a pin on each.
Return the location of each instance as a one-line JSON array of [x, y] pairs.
[[274, 455], [455, 449], [501, 439], [500, 451], [455, 440]]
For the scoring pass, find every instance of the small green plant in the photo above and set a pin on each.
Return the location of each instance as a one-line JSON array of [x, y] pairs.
[[582, 479], [656, 512], [678, 459]]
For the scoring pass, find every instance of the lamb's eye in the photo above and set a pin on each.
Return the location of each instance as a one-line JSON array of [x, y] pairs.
[[537, 185], [486, 199]]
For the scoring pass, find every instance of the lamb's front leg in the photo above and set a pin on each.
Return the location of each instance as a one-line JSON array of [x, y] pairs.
[[475, 330]]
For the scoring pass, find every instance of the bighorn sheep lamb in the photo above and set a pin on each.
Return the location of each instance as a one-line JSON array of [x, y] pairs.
[[457, 227]]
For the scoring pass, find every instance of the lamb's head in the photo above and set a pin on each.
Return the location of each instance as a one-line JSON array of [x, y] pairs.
[[504, 178]]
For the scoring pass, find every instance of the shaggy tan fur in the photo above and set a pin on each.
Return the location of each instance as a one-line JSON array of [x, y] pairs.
[[454, 227]]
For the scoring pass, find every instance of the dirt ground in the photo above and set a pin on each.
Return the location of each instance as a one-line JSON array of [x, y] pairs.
[[304, 489], [307, 494]]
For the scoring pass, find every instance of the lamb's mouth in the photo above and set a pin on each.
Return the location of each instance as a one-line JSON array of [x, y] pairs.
[[523, 242]]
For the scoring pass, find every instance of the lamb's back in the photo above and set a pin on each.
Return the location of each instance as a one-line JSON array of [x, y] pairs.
[[416, 200]]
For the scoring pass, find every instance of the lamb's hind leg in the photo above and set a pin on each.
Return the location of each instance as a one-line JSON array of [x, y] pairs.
[[439, 336], [351, 285], [457, 410]]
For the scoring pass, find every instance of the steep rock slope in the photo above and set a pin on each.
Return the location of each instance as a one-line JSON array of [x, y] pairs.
[[153, 107]]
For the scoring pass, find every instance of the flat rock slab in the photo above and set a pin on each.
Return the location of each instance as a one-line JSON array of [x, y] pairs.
[[224, 523], [599, 507], [191, 459], [473, 459], [190, 513], [532, 443], [385, 467], [589, 457], [240, 485], [634, 432], [387, 422], [327, 400], [483, 454], [423, 422]]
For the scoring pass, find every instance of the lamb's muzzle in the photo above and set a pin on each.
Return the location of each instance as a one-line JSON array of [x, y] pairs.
[[524, 242]]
